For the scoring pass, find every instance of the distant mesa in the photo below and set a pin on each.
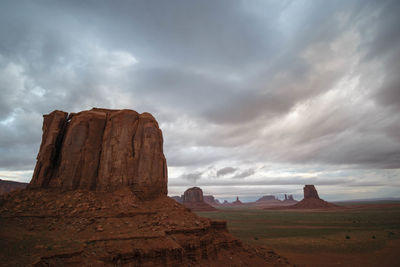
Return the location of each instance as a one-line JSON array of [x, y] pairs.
[[311, 200], [8, 186], [211, 200], [194, 200], [267, 198]]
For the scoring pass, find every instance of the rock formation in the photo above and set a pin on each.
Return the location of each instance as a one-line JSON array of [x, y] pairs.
[[98, 198], [289, 199], [177, 199], [194, 200], [8, 186], [237, 202], [194, 194], [267, 198], [211, 200], [310, 192], [311, 200], [101, 149]]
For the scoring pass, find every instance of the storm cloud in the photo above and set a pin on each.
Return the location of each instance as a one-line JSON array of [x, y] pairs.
[[246, 92]]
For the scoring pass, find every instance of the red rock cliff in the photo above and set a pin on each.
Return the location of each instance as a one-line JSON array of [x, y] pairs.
[[103, 150]]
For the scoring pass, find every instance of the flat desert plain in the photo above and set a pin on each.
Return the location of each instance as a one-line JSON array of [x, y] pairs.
[[358, 234]]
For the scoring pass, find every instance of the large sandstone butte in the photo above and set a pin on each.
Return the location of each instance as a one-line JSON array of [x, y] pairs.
[[311, 200], [98, 198], [194, 200], [101, 149]]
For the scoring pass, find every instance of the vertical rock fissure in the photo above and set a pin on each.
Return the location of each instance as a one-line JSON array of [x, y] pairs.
[[55, 158], [94, 184], [59, 142]]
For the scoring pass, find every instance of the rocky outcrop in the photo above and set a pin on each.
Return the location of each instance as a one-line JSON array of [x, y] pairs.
[[237, 202], [311, 200], [177, 199], [289, 199], [211, 200], [194, 200], [101, 149], [8, 186], [310, 192]]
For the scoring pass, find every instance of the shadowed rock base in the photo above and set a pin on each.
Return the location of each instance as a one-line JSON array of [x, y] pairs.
[[90, 228]]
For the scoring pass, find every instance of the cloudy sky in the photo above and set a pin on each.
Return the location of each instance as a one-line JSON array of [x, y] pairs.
[[253, 97]]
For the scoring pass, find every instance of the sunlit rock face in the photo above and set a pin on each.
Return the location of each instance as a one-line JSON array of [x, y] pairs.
[[101, 149]]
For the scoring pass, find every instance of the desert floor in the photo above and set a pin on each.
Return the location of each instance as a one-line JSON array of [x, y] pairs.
[[360, 234]]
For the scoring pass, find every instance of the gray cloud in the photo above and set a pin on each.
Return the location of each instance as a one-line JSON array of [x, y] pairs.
[[192, 177], [226, 170], [232, 83], [244, 174]]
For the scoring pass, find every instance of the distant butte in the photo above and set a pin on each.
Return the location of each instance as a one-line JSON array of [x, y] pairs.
[[193, 199], [311, 200]]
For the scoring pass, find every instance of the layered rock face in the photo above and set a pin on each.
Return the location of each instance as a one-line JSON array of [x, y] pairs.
[[103, 150], [310, 192]]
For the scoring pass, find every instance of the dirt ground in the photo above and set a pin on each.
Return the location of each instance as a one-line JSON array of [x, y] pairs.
[[354, 235]]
